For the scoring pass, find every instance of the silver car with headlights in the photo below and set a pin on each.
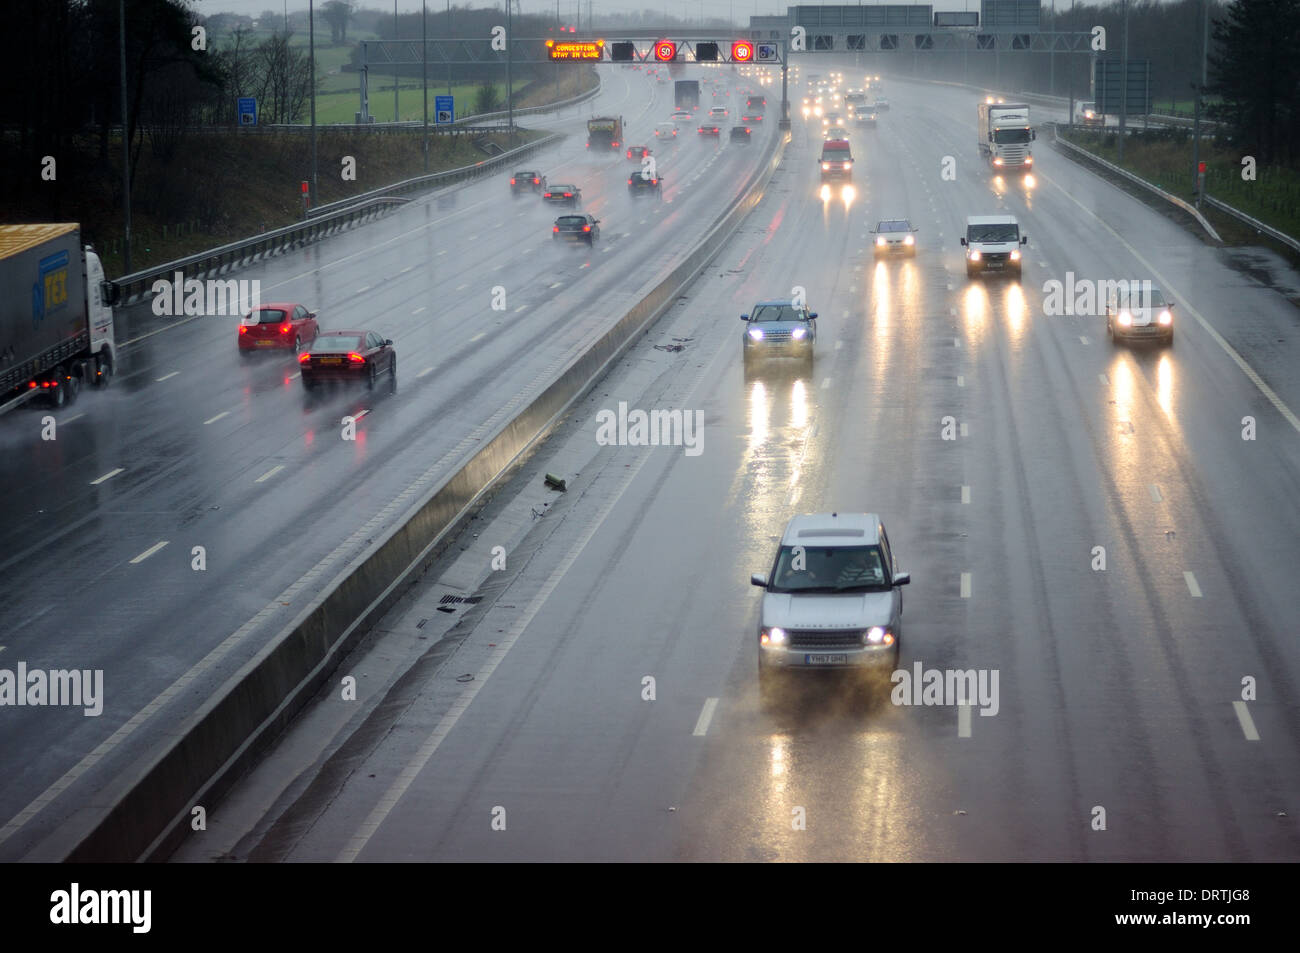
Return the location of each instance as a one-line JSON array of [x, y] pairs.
[[832, 600], [894, 236], [779, 329], [1139, 311]]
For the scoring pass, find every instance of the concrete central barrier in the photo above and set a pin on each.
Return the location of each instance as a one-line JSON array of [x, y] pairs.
[[144, 813]]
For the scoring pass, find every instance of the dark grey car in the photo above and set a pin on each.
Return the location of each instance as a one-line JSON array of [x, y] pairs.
[[779, 329]]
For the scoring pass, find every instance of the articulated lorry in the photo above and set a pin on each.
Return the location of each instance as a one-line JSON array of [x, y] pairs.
[[56, 315], [686, 94], [1005, 135], [605, 132]]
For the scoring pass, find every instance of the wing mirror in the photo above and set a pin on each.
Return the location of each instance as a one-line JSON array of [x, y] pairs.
[[744, 317], [758, 579], [902, 578], [963, 241], [388, 342], [1024, 239], [812, 316]]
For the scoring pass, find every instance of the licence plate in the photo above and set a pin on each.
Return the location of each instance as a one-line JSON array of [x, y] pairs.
[[826, 659], [331, 360], [265, 343]]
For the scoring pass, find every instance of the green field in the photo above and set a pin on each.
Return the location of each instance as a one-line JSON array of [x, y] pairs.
[[341, 105], [1165, 159]]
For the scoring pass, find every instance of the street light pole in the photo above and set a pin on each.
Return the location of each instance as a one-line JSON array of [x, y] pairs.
[[126, 143], [1200, 91], [424, 69], [510, 86], [1123, 92], [396, 116], [311, 55]]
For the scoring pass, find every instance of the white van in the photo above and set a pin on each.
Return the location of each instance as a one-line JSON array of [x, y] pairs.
[[993, 243]]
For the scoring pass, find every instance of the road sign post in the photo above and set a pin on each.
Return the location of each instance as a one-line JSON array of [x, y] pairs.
[[246, 108]]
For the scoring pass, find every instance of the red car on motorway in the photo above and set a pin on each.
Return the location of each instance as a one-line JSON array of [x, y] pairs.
[[272, 326], [349, 356]]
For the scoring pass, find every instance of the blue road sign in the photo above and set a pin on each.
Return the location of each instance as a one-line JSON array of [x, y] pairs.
[[444, 109], [247, 108]]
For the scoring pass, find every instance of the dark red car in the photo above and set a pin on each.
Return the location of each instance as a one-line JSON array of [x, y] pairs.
[[271, 326], [349, 356]]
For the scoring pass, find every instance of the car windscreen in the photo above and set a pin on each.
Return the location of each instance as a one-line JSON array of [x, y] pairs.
[[561, 189], [993, 233], [776, 312], [337, 344], [829, 569], [526, 175], [894, 226], [1142, 298], [571, 220], [835, 149]]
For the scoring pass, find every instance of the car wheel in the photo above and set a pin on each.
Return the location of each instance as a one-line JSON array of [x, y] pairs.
[[297, 343], [392, 377], [73, 384], [103, 369], [370, 382], [58, 393]]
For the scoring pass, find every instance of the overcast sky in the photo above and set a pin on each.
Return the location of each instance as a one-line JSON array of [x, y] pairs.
[[743, 9]]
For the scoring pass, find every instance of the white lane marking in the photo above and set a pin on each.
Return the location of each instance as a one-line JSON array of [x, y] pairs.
[[165, 377], [448, 721], [844, 313], [107, 476], [965, 585], [149, 552], [427, 370], [556, 285], [406, 269], [1083, 338], [269, 473], [443, 252], [952, 312], [419, 309], [477, 336], [68, 420], [1155, 493], [956, 342], [473, 238], [2, 648], [964, 430], [950, 286], [1042, 264], [961, 380], [963, 719], [706, 716], [462, 287], [520, 308], [363, 289], [965, 494], [1247, 723], [1168, 285], [826, 383], [839, 345], [213, 420], [1104, 380], [1192, 585]]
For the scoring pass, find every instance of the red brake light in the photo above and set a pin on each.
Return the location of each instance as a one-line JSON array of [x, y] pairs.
[[286, 328], [586, 228], [568, 195], [512, 180], [354, 358], [243, 329], [555, 228], [304, 357], [536, 181], [629, 181]]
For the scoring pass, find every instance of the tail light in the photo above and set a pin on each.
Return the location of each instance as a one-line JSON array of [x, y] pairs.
[[555, 228], [304, 357], [537, 181], [242, 329], [568, 195], [512, 180], [586, 228], [354, 358], [629, 181], [286, 328]]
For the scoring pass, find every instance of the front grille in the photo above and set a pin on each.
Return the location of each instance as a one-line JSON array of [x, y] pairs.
[[776, 337], [824, 638], [997, 256]]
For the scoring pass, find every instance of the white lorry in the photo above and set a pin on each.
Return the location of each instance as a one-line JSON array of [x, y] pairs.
[[56, 315], [1005, 135]]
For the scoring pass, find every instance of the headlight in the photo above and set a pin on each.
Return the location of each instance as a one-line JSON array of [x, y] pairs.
[[1015, 254], [997, 162], [826, 165], [1166, 318], [974, 254], [909, 240], [1029, 160], [880, 239], [876, 635], [1125, 318], [772, 636], [799, 333], [756, 334]]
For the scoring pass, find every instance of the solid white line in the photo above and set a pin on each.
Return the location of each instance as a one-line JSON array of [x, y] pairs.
[[1247, 723], [107, 476], [1192, 586], [1155, 492], [706, 716], [213, 420], [165, 377], [269, 473], [965, 494], [477, 336], [448, 721], [149, 552], [427, 370], [963, 719], [965, 585], [1182, 299], [295, 375]]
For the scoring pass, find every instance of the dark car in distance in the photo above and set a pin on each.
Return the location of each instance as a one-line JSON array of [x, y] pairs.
[[562, 195], [349, 356], [576, 228], [527, 181], [643, 183]]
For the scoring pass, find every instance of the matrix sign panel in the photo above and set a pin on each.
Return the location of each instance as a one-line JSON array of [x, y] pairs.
[[575, 49]]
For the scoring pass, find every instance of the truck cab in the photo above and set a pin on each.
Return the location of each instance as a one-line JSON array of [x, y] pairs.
[[1005, 136], [605, 132]]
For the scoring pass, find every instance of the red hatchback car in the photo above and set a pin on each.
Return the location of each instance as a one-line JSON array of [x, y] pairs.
[[283, 325], [349, 356]]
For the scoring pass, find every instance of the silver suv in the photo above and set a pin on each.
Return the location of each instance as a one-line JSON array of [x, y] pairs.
[[833, 599]]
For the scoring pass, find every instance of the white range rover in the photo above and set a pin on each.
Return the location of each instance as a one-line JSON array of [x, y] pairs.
[[833, 599]]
